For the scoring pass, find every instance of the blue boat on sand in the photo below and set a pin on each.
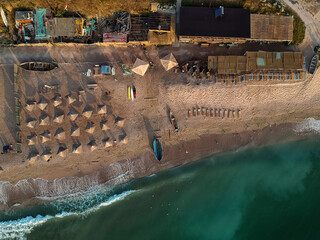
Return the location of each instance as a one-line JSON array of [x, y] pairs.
[[157, 148]]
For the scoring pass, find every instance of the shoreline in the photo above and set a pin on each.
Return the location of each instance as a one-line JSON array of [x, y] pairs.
[[126, 170]]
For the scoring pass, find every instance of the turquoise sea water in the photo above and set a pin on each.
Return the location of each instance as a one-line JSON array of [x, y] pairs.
[[262, 193]]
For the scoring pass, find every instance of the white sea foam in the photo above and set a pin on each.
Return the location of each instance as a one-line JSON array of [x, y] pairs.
[[308, 125], [18, 229]]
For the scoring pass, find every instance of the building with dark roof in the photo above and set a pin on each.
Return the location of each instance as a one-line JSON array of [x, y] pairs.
[[202, 24], [232, 25]]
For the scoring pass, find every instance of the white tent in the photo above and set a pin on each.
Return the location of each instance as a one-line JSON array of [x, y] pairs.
[[58, 118], [119, 122], [104, 126], [70, 98], [62, 151], [77, 148], [75, 131], [30, 106], [31, 140], [57, 100], [32, 157], [140, 67], [169, 62], [87, 112], [102, 109], [32, 123], [90, 128], [42, 104], [60, 134], [45, 137], [44, 120], [92, 145], [73, 114]]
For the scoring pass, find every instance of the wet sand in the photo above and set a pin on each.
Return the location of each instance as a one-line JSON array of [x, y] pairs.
[[146, 164]]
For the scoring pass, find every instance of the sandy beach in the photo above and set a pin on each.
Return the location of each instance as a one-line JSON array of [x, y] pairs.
[[255, 113]]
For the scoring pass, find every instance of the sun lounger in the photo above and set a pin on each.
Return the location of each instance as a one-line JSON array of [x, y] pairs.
[[194, 112], [211, 112]]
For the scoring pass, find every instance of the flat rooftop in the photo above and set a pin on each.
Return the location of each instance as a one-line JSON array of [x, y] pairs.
[[201, 21]]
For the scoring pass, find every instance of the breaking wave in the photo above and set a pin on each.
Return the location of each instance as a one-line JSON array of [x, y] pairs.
[[80, 205], [308, 125]]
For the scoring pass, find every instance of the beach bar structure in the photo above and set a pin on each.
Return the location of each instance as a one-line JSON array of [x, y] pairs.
[[258, 65], [232, 25]]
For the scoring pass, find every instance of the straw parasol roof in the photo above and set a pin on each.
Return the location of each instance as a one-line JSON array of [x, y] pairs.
[[90, 128], [87, 112], [31, 123], [73, 114], [32, 157], [57, 100], [169, 62], [45, 137], [42, 104], [30, 106], [31, 140], [102, 109], [77, 148], [70, 98], [75, 131], [44, 120], [46, 155], [60, 134], [62, 151], [123, 139], [140, 67], [104, 126], [119, 122], [108, 143], [92, 145], [58, 118]]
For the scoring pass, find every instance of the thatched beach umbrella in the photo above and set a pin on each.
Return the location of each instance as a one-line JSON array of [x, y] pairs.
[[31, 140], [44, 120], [92, 145], [31, 123], [73, 114], [32, 157], [60, 134], [77, 148], [108, 143], [46, 155], [87, 112], [140, 67], [45, 137], [70, 98], [30, 106], [102, 109], [119, 122], [123, 139], [57, 100], [42, 104], [90, 128], [75, 131], [168, 62], [58, 118], [104, 126], [62, 151]]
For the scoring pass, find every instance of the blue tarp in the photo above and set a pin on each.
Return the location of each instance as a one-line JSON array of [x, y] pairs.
[[105, 69]]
